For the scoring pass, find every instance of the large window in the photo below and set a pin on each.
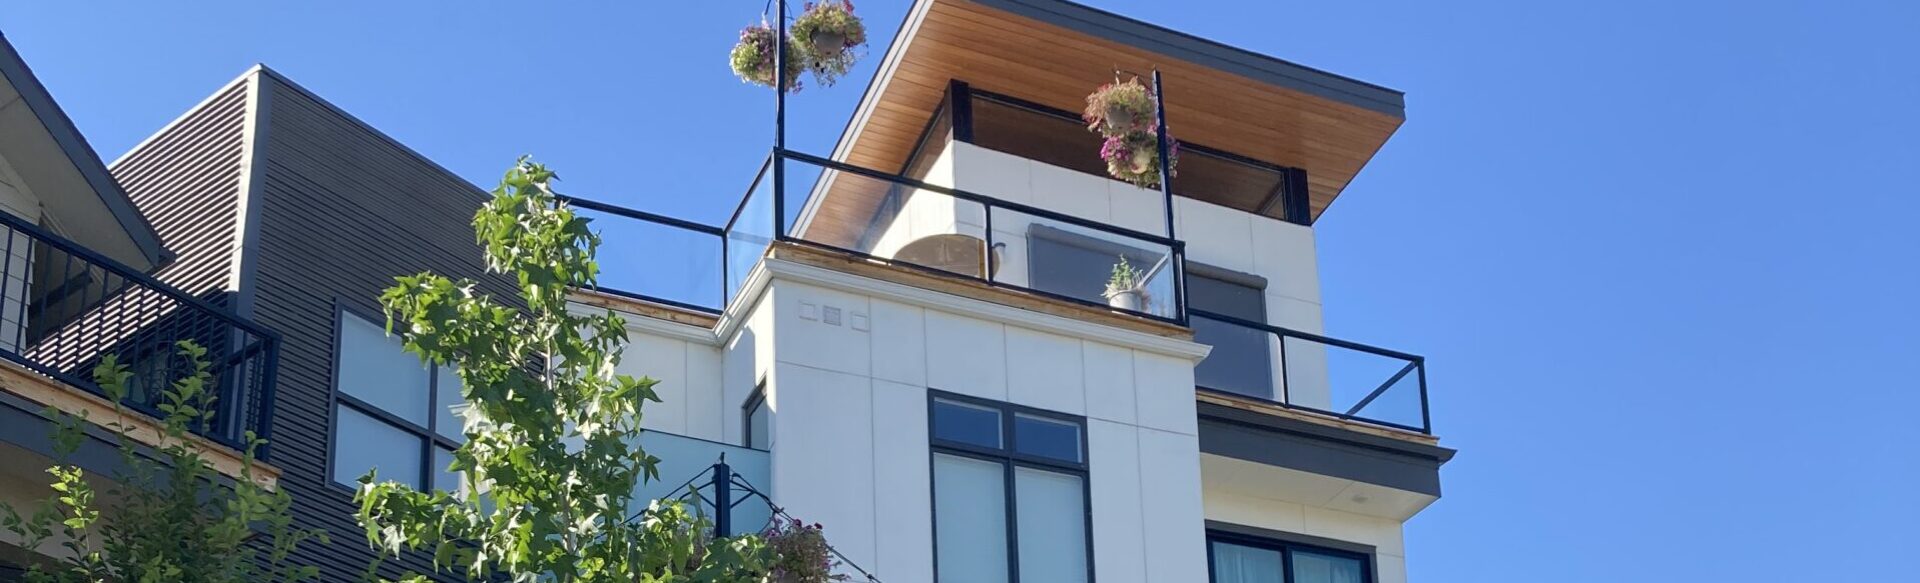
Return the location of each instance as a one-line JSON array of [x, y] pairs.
[[1235, 558], [391, 412], [1009, 493]]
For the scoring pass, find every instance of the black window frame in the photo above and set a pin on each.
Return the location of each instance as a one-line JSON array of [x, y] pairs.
[[428, 469], [755, 402], [1288, 543], [1010, 459]]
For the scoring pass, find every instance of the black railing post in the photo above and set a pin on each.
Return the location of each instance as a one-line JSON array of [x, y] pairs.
[[1166, 192], [1426, 415], [269, 365], [780, 121], [722, 498]]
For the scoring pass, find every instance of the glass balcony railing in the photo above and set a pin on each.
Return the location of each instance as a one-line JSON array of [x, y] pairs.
[[891, 218], [931, 227], [65, 308], [1299, 370]]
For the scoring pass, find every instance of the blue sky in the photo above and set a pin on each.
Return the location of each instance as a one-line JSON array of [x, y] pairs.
[[1662, 256]]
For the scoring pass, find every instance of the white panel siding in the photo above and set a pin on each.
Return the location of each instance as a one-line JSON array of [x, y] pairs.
[[1170, 480], [823, 454], [966, 356], [1109, 379], [1119, 540], [1043, 371], [903, 536]]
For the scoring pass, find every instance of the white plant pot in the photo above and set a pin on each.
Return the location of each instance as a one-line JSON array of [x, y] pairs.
[[1133, 299], [827, 43]]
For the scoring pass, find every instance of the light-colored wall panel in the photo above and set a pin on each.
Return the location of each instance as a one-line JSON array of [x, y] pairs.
[[1119, 540], [1163, 389], [899, 340], [966, 356], [1044, 371], [904, 533], [823, 454], [1109, 381], [1176, 528]]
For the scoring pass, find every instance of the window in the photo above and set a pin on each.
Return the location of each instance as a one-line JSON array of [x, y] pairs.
[[759, 428], [1241, 360], [1009, 493], [1076, 265], [1245, 559], [391, 412]]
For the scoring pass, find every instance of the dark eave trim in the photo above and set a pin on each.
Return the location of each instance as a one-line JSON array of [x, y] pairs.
[[1330, 451], [1161, 40], [84, 158]]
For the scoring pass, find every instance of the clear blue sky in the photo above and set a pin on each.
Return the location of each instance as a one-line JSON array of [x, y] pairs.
[[1663, 259]]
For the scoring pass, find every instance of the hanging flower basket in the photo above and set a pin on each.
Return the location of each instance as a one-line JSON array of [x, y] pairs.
[[830, 34], [1135, 157], [753, 57], [1120, 108]]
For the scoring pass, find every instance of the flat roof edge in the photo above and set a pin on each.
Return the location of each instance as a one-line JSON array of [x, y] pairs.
[[1159, 39]]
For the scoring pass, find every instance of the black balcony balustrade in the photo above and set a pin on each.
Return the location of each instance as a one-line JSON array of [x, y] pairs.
[[913, 224], [933, 228], [66, 308], [1299, 370]]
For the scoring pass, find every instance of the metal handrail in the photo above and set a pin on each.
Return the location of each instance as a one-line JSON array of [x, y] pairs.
[[981, 199], [56, 241], [1416, 365], [247, 354]]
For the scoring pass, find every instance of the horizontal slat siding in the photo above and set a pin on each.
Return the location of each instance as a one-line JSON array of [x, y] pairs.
[[343, 210], [186, 181]]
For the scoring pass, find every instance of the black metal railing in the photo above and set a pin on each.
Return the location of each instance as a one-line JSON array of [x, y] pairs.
[[914, 224], [1308, 371], [66, 307]]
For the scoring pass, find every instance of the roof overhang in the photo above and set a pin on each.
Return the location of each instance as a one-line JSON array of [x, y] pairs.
[[1055, 52], [73, 185]]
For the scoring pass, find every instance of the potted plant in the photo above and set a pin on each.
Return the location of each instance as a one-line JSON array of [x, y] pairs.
[[830, 33], [1135, 158], [1125, 290], [800, 553], [1120, 108], [753, 57]]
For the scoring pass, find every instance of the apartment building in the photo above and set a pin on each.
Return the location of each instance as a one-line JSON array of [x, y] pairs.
[[904, 338]]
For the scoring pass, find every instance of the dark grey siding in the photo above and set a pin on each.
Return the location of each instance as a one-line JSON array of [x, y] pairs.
[[186, 181], [342, 210]]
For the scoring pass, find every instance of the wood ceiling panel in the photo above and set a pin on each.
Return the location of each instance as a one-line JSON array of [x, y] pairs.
[[1037, 61]]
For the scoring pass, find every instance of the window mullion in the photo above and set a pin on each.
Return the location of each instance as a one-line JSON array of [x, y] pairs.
[[1013, 522]]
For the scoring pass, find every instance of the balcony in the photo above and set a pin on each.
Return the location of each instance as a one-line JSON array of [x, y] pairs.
[[66, 308]]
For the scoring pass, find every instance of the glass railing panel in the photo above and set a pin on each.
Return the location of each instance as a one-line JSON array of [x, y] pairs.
[[1348, 382], [888, 219], [1077, 260], [750, 232], [656, 261], [1307, 371], [1241, 361], [686, 473]]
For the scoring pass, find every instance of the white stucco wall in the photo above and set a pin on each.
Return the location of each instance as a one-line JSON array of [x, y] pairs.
[[850, 443]]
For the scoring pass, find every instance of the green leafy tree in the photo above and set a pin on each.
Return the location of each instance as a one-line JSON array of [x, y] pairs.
[[551, 458], [169, 520]]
